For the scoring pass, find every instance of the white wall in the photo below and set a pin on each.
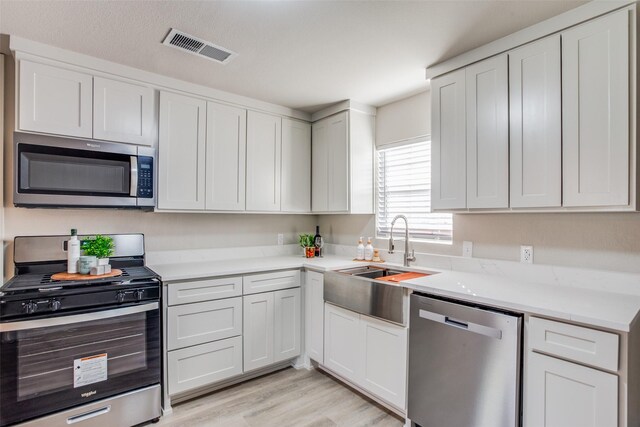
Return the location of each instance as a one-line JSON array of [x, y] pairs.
[[592, 240]]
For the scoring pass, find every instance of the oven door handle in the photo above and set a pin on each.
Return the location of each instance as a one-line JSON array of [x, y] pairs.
[[76, 318], [133, 190]]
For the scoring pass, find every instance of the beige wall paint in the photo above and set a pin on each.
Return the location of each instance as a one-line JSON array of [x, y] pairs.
[[592, 240]]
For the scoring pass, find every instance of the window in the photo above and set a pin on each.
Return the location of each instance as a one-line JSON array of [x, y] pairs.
[[404, 187]]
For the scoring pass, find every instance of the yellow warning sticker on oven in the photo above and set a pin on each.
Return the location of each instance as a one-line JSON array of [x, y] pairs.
[[89, 370]]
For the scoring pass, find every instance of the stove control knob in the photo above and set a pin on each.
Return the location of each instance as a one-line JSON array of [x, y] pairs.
[[55, 305], [120, 296], [30, 307], [139, 294]]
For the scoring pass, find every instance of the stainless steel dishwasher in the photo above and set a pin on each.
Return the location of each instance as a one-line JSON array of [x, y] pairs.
[[464, 364]]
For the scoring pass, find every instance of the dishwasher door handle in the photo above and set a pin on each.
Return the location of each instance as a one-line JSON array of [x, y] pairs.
[[456, 323]]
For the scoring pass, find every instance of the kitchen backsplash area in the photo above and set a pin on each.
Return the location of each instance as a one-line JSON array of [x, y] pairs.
[[606, 241]]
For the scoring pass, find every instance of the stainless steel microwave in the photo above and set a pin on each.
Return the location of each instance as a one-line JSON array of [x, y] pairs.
[[52, 171]]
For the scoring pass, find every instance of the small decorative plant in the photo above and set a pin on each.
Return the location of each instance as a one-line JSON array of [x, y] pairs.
[[306, 242], [100, 246]]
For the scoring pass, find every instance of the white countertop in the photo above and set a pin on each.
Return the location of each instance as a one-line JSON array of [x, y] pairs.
[[610, 310]]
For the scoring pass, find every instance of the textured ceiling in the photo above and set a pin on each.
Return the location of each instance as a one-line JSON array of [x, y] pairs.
[[300, 54]]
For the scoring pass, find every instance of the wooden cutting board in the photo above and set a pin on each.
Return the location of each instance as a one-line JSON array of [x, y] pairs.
[[77, 276], [402, 277]]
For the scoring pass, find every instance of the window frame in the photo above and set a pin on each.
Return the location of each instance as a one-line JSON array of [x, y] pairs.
[[400, 234]]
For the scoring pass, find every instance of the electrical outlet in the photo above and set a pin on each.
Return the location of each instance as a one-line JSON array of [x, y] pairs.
[[526, 254], [467, 249], [280, 239]]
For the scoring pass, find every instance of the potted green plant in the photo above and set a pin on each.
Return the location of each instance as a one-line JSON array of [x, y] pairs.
[[100, 247], [306, 242]]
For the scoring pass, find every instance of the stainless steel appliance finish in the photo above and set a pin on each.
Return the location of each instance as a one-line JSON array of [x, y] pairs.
[[406, 258], [464, 365], [353, 290], [82, 352], [35, 249], [51, 171], [127, 409]]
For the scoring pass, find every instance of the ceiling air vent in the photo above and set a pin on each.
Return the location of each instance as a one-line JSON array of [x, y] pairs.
[[199, 47]]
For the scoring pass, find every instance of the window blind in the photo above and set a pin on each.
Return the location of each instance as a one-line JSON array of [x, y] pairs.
[[404, 187]]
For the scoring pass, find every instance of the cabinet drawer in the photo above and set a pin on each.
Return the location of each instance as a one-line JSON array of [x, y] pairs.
[[204, 290], [584, 345], [270, 281], [204, 364], [203, 322]]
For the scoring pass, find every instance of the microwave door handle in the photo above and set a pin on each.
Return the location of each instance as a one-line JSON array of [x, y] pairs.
[[133, 192]]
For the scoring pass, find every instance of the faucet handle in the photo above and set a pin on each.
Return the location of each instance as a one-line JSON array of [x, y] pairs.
[[413, 255]]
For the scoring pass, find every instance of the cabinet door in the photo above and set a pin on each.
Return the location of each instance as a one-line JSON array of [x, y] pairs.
[[338, 160], [561, 394], [320, 166], [122, 111], [258, 314], [296, 166], [595, 112], [342, 346], [181, 161], [55, 100], [535, 125], [226, 157], [201, 365], [384, 347], [192, 324], [264, 144], [287, 324], [314, 316], [448, 143], [487, 100]]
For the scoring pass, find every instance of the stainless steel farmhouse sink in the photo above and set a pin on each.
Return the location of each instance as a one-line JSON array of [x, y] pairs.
[[358, 290]]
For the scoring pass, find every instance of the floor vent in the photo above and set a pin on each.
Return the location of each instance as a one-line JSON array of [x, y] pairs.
[[194, 45]]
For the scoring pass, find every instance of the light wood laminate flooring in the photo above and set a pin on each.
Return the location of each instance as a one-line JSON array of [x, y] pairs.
[[288, 397]]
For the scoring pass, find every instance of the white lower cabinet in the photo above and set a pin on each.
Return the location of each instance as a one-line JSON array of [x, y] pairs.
[[287, 324], [369, 352], [271, 327], [565, 394], [198, 323], [258, 312], [341, 343], [314, 315], [384, 371], [204, 364]]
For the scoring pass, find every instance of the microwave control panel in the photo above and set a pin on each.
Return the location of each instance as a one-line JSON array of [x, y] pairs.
[[145, 177]]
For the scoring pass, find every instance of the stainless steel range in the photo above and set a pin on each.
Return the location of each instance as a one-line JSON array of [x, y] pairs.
[[86, 353]]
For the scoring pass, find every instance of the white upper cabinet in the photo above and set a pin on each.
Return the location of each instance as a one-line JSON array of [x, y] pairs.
[[448, 144], [264, 145], [296, 166], [487, 115], [123, 112], [181, 154], [535, 125], [595, 112], [342, 169], [55, 100], [226, 157]]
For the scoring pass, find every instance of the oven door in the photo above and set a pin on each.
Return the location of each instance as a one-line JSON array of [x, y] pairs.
[[48, 365], [51, 171]]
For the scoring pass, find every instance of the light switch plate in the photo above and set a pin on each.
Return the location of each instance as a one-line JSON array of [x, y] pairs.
[[467, 249], [280, 239]]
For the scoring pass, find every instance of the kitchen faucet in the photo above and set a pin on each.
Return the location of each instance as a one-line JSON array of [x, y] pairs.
[[407, 258]]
